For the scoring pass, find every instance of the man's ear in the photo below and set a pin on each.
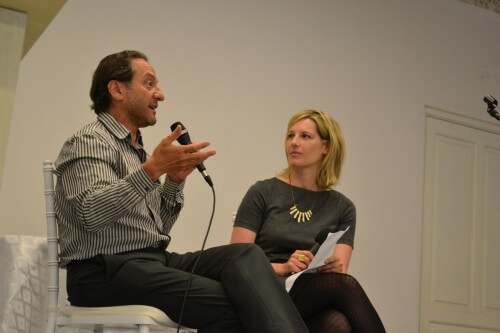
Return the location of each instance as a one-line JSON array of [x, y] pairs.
[[115, 89]]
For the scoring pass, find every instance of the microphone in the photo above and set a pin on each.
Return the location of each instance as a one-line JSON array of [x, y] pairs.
[[491, 101], [320, 238], [492, 104], [184, 139]]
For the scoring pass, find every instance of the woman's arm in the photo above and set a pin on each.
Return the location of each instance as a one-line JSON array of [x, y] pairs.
[[343, 252], [341, 257], [243, 235], [339, 261]]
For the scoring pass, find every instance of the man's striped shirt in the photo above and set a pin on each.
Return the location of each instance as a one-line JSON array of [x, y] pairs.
[[105, 202]]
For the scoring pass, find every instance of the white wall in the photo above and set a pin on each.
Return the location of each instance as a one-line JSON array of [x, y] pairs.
[[12, 28], [234, 71]]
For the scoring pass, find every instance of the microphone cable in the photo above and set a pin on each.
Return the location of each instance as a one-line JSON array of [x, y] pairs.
[[196, 262]]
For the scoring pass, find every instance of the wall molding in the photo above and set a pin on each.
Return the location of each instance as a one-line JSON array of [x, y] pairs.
[[493, 5], [458, 118]]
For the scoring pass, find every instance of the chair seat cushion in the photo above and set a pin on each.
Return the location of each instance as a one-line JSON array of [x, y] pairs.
[[126, 311]]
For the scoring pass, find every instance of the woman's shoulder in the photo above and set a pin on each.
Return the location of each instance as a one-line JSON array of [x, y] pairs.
[[267, 187], [340, 198], [269, 183]]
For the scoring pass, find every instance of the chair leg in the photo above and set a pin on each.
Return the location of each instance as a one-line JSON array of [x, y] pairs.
[[51, 325], [143, 329]]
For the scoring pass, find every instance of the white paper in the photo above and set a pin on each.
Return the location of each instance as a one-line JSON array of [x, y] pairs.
[[325, 251]]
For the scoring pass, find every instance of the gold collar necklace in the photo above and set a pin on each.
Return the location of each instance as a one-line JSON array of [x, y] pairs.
[[296, 213]]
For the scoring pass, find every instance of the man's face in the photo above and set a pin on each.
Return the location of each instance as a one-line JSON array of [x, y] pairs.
[[142, 95]]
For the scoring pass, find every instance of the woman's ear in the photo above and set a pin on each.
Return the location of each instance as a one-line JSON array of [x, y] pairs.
[[326, 147]]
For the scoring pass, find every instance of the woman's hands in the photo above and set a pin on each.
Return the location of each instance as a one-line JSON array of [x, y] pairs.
[[332, 264], [338, 262], [300, 260]]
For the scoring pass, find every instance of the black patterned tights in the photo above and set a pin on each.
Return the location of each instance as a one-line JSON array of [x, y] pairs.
[[335, 302]]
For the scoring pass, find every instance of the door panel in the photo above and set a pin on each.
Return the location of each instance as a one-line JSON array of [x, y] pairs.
[[460, 282]]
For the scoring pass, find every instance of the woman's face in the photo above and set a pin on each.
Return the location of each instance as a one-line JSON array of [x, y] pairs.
[[304, 147]]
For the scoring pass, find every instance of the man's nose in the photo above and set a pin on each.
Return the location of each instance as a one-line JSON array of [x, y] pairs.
[[159, 94]]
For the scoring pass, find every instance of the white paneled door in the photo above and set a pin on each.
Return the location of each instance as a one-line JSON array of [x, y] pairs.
[[460, 282]]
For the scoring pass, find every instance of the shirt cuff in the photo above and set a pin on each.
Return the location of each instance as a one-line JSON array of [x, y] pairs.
[[141, 182], [171, 189]]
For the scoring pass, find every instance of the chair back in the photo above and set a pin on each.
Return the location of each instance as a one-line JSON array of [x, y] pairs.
[[52, 243], [141, 316]]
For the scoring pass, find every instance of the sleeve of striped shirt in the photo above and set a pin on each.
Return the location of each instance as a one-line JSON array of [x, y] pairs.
[[172, 196], [89, 167]]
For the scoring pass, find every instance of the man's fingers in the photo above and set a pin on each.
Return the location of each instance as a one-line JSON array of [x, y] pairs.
[[190, 160], [195, 147], [174, 135]]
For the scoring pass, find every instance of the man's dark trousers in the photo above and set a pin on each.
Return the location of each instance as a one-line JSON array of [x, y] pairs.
[[234, 288]]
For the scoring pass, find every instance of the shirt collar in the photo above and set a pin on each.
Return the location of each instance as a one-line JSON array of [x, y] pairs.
[[117, 129]]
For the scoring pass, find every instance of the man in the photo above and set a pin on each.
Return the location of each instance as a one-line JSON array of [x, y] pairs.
[[115, 216]]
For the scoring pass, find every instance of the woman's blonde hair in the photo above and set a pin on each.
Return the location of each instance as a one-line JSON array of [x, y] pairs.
[[329, 131]]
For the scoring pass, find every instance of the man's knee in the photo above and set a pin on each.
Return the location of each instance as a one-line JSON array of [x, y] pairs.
[[249, 249]]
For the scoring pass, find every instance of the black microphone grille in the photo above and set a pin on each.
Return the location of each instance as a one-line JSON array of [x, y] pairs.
[[174, 126]]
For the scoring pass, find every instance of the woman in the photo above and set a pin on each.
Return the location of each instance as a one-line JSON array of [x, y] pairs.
[[284, 214]]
